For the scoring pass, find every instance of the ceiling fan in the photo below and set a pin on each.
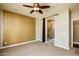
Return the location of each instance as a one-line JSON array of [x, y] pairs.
[[37, 8]]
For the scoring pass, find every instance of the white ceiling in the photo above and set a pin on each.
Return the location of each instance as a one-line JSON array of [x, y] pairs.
[[18, 8]]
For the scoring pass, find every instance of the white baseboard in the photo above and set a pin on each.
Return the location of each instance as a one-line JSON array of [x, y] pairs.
[[18, 44], [62, 47], [76, 42]]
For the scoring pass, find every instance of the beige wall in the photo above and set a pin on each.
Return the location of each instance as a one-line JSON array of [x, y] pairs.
[[17, 28], [75, 13]]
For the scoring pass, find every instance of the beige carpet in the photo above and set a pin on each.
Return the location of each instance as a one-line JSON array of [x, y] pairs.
[[38, 49]]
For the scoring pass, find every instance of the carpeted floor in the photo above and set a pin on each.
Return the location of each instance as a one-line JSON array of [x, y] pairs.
[[38, 49]]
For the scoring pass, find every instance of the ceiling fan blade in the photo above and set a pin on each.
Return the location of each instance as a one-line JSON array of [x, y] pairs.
[[44, 7], [28, 6], [40, 11], [31, 11]]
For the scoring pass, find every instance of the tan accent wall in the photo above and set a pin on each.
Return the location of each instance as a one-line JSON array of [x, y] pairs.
[[76, 31], [17, 28]]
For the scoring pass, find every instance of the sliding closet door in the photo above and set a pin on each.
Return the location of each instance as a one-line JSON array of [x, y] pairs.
[[17, 28], [76, 31]]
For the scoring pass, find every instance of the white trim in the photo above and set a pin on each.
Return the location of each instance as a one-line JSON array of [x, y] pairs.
[[36, 29], [18, 44], [66, 48], [72, 32], [46, 29], [75, 19], [76, 42]]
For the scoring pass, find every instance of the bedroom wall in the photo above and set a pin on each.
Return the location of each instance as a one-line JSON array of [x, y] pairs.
[[39, 18], [75, 13], [62, 29], [62, 22], [61, 26], [17, 28]]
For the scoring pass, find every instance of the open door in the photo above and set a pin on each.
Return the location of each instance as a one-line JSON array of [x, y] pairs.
[[76, 33], [50, 31], [48, 34]]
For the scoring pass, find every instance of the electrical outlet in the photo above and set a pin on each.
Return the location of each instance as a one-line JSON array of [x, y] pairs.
[[5, 43]]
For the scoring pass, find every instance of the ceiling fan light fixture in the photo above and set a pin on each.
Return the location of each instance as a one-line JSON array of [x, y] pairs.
[[36, 8]]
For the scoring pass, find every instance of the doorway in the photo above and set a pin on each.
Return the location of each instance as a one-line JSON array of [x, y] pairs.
[[76, 33], [50, 31], [49, 21]]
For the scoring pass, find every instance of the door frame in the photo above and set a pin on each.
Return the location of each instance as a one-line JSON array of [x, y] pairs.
[[46, 20], [46, 29], [72, 32]]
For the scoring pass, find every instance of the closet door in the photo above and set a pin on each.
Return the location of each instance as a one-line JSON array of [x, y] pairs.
[[76, 31], [17, 28]]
